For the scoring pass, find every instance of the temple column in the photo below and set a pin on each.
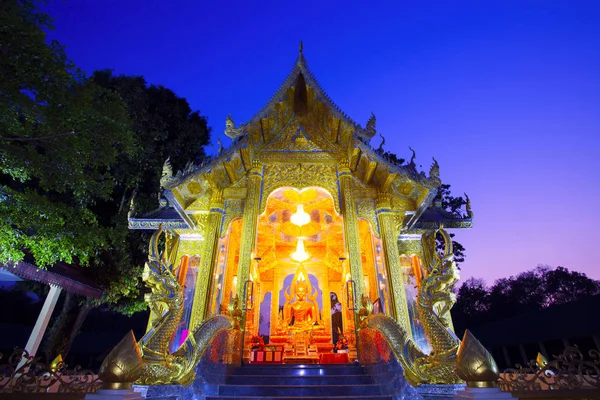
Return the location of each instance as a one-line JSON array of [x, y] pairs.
[[389, 236], [204, 278], [249, 225], [351, 230], [42, 323], [326, 300], [275, 321]]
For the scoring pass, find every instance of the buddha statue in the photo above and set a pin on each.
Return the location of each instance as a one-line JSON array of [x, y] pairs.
[[300, 311], [300, 314]]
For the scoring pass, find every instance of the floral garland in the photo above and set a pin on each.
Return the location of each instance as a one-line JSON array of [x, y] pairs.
[[343, 342], [257, 342]]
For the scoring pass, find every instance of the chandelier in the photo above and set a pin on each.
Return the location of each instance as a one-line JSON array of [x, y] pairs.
[[300, 255], [300, 217]]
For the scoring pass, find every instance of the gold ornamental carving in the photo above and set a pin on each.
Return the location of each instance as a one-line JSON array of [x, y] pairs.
[[300, 176], [389, 237], [570, 372], [366, 209], [205, 270], [234, 208], [249, 224], [351, 231]]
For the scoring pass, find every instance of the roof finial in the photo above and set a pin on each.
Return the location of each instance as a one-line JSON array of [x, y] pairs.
[[300, 47]]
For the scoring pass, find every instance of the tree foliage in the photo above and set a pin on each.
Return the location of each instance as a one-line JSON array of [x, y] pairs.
[[166, 127], [74, 152], [453, 205], [529, 291], [60, 133]]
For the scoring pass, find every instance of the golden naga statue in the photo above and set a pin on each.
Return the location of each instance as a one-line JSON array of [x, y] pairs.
[[160, 366], [301, 314], [434, 294]]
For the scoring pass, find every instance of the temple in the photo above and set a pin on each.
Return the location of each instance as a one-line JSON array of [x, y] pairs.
[[305, 234]]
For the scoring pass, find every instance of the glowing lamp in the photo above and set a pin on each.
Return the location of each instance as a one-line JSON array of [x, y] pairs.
[[300, 255], [300, 217]]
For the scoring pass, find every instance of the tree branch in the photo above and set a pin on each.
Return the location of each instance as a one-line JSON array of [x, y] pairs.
[[41, 138]]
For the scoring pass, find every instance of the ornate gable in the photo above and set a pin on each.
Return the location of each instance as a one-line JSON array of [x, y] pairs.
[[298, 129]]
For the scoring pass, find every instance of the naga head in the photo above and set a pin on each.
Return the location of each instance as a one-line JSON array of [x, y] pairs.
[[229, 123], [371, 124], [157, 274], [434, 171]]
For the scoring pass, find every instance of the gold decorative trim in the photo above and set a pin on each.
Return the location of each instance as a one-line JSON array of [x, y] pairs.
[[23, 373], [570, 370]]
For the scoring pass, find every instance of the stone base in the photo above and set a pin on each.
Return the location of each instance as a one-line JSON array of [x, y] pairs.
[[482, 394], [169, 391], [439, 391], [113, 394]]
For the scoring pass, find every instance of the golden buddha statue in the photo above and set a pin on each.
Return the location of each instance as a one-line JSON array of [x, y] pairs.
[[300, 312]]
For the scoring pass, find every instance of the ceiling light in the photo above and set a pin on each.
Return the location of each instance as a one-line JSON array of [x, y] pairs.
[[300, 255], [300, 217]]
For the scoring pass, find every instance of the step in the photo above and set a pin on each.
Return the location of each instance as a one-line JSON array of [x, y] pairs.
[[372, 397], [301, 370], [308, 380], [299, 390]]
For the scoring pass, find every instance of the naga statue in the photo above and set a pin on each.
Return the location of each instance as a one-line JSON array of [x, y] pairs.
[[468, 207], [167, 172], [166, 302], [231, 131], [411, 164], [434, 301], [380, 148], [371, 127], [434, 171]]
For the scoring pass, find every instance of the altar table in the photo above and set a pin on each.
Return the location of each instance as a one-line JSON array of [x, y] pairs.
[[333, 358]]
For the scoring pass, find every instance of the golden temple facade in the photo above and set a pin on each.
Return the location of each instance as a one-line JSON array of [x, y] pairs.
[[295, 227]]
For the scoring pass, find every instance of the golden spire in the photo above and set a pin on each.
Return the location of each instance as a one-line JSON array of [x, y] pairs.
[[300, 47]]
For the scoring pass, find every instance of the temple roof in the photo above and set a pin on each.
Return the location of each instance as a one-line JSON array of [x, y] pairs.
[[434, 217], [301, 67], [167, 216], [300, 125], [66, 276]]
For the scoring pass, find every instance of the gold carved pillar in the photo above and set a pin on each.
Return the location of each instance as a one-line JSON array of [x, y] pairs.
[[204, 278], [389, 236], [351, 230], [249, 225]]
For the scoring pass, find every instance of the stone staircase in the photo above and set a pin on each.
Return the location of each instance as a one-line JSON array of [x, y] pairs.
[[287, 382]]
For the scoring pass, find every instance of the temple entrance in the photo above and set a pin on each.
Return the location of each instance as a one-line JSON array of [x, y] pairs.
[[297, 300], [298, 263]]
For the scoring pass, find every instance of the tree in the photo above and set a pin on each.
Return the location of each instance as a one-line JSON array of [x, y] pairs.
[[529, 291], [60, 133], [454, 206], [564, 286], [165, 128], [72, 155]]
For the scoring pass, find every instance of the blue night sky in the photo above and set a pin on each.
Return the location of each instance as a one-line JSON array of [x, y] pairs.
[[505, 94]]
